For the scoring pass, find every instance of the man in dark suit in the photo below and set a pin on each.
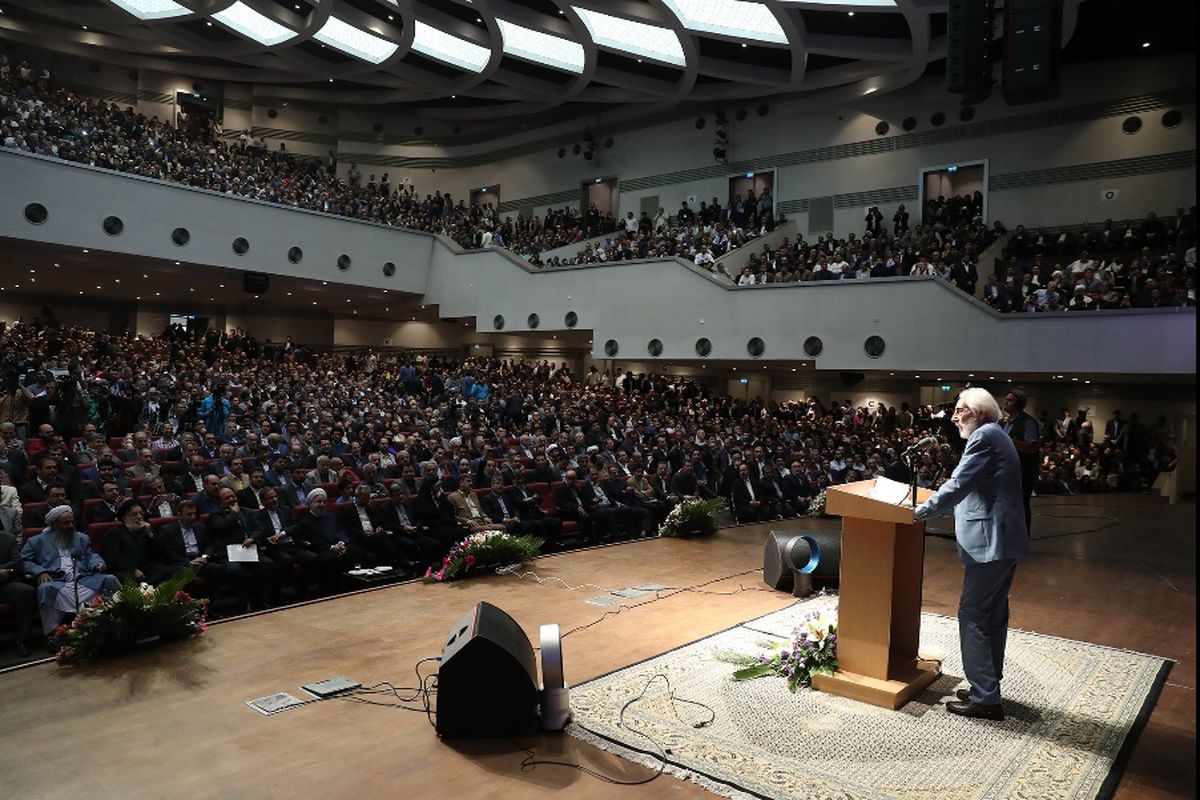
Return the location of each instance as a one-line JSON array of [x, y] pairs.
[[208, 500], [233, 525], [989, 525], [13, 589], [319, 531], [273, 520], [357, 521], [251, 496], [796, 488], [502, 506], [34, 516], [106, 510], [34, 490], [185, 543], [773, 494], [685, 484], [397, 520], [748, 505], [573, 504]]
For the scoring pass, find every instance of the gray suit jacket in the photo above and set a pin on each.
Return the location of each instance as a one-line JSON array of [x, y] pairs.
[[985, 493]]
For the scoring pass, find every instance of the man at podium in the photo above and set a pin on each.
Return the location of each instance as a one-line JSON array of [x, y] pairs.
[[989, 525]]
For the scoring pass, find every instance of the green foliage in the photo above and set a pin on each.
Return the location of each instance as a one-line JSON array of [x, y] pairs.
[[692, 518]]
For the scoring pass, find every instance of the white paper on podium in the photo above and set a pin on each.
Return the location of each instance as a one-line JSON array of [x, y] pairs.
[[238, 553], [889, 491]]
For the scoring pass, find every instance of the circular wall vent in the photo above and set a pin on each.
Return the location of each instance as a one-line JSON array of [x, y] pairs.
[[533, 321], [654, 347], [813, 346], [611, 348], [756, 347], [882, 128], [36, 213], [703, 347], [113, 226], [295, 255], [498, 322], [343, 262], [241, 246], [389, 269], [181, 236], [1132, 125], [874, 346]]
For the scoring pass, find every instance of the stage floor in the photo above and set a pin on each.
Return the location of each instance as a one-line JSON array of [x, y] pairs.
[[1116, 570]]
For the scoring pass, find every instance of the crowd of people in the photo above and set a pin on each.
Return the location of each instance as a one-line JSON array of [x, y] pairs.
[[38, 116], [1147, 264], [325, 462]]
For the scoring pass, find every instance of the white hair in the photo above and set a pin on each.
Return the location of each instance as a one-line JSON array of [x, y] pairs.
[[981, 403]]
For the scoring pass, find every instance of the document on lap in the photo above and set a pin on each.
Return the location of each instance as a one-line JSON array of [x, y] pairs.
[[239, 553]]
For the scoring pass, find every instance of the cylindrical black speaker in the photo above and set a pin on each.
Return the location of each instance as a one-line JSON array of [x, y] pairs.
[[487, 682], [817, 554]]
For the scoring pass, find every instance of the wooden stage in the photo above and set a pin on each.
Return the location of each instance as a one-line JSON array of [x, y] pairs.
[[172, 723]]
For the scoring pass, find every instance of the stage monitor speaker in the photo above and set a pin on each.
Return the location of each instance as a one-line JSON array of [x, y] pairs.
[[814, 554], [487, 682], [255, 282], [968, 48], [1032, 46]]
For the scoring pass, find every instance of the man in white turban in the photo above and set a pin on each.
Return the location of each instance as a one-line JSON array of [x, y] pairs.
[[68, 573]]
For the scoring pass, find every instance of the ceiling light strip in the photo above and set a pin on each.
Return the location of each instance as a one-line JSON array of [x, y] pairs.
[[630, 36], [542, 48], [736, 18], [243, 19], [437, 44], [152, 9], [356, 42]]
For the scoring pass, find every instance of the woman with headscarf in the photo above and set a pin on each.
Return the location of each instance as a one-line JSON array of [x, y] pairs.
[[434, 510], [68, 573]]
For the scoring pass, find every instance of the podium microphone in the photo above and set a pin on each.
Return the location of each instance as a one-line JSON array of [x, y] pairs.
[[928, 441]]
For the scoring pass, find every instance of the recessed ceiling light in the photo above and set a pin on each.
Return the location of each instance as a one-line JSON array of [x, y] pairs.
[[314, 302], [144, 275], [158, 294], [116, 280], [97, 287], [208, 24], [220, 286], [57, 264], [85, 28], [850, 13], [324, 283], [176, 263], [85, 251], [191, 289], [151, 9], [32, 270], [1145, 44], [80, 291], [289, 294]]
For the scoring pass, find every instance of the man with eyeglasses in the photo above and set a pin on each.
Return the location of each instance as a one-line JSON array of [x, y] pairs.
[[989, 525]]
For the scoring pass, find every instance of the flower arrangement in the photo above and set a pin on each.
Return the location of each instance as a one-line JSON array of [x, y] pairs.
[[483, 550], [812, 651], [691, 518], [137, 614], [817, 507]]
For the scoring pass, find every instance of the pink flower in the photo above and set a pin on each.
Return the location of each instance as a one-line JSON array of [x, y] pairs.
[[470, 560], [182, 596], [203, 627], [445, 561], [441, 574], [428, 571]]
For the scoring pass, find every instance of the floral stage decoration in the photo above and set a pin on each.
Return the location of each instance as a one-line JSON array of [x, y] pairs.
[[483, 551], [817, 507], [811, 651], [136, 616], [692, 518]]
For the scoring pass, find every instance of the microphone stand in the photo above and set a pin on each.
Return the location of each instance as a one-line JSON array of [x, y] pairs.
[[912, 477]]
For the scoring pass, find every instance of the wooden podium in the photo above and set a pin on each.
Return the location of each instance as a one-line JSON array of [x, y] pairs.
[[879, 599]]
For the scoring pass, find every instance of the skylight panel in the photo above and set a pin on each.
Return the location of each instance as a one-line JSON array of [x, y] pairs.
[[354, 41], [253, 25], [638, 38], [849, 4], [435, 43], [553, 51], [152, 9], [729, 18]]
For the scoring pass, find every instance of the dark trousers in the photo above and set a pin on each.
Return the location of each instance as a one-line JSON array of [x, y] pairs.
[[983, 626], [21, 597]]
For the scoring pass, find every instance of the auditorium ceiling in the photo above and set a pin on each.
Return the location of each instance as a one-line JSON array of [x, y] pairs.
[[489, 60]]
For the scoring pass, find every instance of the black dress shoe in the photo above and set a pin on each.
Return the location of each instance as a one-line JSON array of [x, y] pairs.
[[977, 710], [22, 648], [963, 695]]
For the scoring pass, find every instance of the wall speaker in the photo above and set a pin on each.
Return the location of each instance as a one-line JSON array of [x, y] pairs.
[[255, 282], [1032, 45], [968, 48], [852, 378], [487, 682]]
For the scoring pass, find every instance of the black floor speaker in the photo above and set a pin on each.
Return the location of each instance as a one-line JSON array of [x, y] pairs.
[[487, 682], [817, 554]]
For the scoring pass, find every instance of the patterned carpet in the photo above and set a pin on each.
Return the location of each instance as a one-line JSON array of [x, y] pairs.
[[1071, 709]]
